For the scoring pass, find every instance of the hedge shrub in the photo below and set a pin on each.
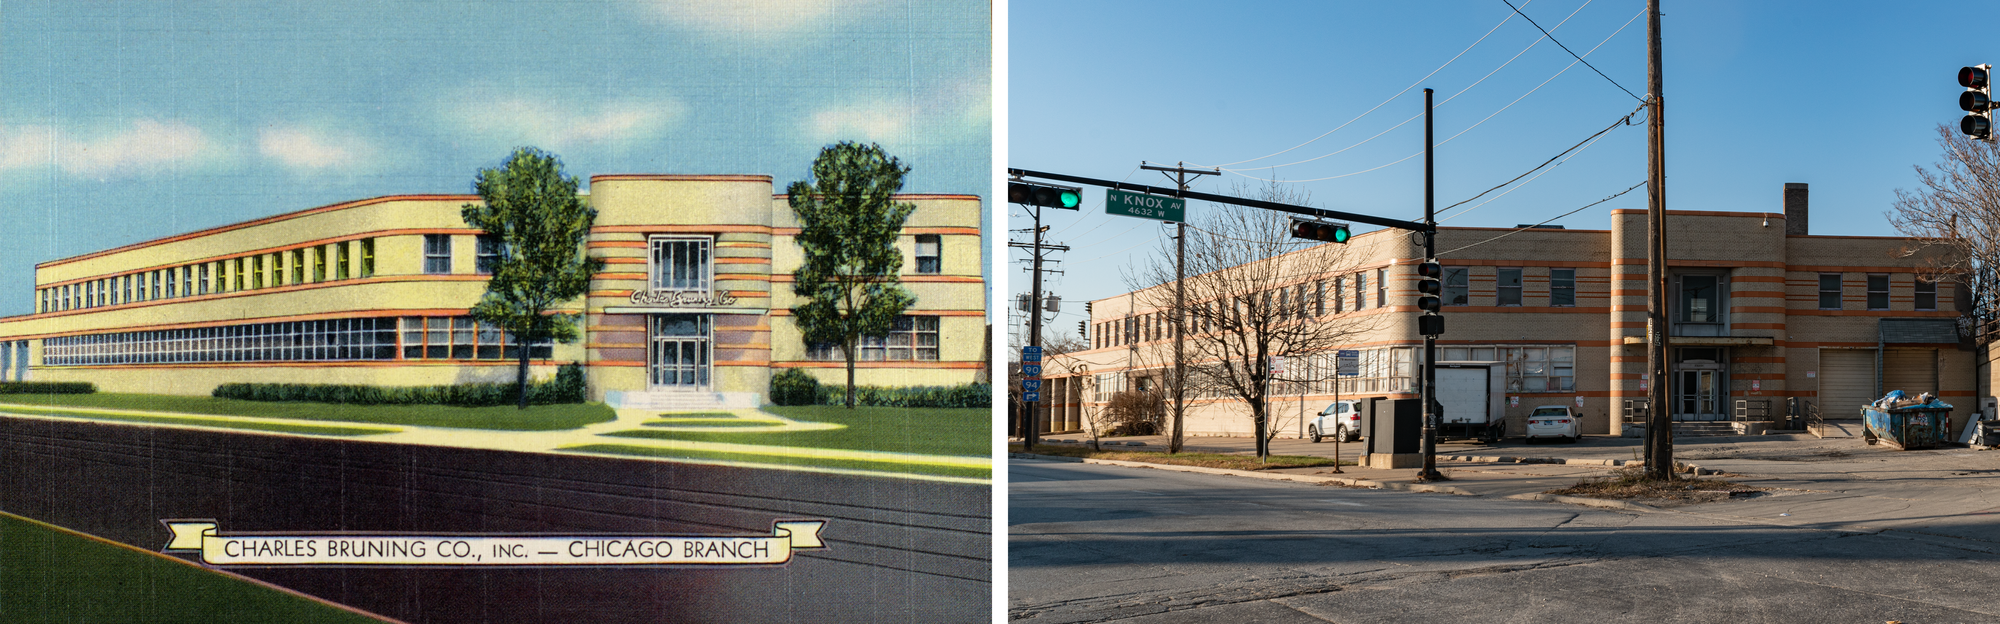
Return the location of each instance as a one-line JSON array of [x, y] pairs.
[[567, 387], [968, 395], [47, 387], [794, 387]]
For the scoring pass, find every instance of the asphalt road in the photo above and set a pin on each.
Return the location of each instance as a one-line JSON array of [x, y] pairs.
[[898, 550], [1093, 543]]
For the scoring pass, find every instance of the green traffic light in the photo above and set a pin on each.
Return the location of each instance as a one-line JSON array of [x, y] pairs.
[[1340, 235], [1070, 199]]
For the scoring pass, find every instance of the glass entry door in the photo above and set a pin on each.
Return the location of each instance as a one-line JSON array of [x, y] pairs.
[[1698, 384], [679, 356]]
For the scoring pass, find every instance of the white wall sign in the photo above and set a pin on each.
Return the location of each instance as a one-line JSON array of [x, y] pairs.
[[681, 298]]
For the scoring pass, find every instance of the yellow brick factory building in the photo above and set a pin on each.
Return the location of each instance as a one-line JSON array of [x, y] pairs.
[[1763, 315], [691, 309]]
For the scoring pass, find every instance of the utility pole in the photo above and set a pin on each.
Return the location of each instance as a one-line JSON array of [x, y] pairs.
[[1429, 391], [1659, 426], [1031, 432], [1179, 320]]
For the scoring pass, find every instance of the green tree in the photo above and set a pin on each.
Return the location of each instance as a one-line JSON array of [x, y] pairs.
[[540, 222], [848, 224]]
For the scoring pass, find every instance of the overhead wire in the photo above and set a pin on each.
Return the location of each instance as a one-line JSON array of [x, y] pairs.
[[1529, 181], [1489, 33], [1447, 100], [1622, 121], [1550, 220], [1565, 48], [1517, 100]]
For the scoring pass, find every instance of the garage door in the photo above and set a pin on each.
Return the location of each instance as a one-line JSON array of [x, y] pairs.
[[1846, 382], [1913, 371]]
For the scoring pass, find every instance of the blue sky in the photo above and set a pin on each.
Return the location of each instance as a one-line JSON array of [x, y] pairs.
[[1844, 96], [130, 121]]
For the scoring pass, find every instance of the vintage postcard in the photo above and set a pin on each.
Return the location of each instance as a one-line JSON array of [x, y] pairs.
[[509, 311]]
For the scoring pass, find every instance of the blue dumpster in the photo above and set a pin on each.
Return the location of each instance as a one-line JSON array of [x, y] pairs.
[[1917, 427]]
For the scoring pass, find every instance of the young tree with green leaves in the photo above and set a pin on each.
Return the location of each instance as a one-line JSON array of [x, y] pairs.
[[848, 225], [533, 210]]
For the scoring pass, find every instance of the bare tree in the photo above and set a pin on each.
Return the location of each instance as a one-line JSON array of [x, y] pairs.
[[1956, 217], [1252, 292]]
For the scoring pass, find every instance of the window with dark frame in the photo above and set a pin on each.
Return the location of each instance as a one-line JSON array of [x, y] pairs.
[[486, 254], [1507, 286], [1381, 287], [1926, 294], [1701, 299], [1360, 291], [1878, 291], [1562, 287], [930, 254], [1829, 291]]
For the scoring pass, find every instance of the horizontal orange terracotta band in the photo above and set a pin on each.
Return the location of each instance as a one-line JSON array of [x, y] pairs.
[[898, 364], [323, 364], [257, 222]]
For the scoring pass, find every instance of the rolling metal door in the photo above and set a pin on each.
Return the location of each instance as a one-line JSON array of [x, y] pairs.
[[1846, 382], [1914, 371]]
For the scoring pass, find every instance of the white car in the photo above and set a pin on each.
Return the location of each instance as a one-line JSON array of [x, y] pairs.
[[1553, 421], [1341, 420]]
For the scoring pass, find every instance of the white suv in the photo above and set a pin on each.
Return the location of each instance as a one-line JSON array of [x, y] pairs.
[[1341, 420]]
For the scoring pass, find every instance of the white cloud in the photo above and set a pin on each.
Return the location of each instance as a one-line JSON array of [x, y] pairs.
[[146, 146], [559, 126], [308, 149], [881, 122], [768, 18], [945, 113]]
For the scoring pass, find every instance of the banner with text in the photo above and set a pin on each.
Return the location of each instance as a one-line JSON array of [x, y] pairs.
[[318, 549]]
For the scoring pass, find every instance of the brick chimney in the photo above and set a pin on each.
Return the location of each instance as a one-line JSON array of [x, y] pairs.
[[1795, 208]]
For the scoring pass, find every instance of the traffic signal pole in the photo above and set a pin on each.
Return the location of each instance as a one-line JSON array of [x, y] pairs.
[[1030, 430], [1431, 416]]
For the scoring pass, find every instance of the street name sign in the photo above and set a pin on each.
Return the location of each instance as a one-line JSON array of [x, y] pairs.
[[1347, 363], [1130, 204]]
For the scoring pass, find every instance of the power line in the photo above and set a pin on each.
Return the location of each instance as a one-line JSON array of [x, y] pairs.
[[1622, 121], [1482, 121], [1565, 48], [1489, 33], [1475, 83], [1551, 220], [1517, 187]]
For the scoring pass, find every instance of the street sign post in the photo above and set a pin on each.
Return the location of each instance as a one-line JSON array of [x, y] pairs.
[[1031, 396], [1130, 204], [1031, 355], [1031, 370], [1031, 385]]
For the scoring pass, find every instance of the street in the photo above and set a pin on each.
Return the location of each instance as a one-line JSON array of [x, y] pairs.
[[1094, 543]]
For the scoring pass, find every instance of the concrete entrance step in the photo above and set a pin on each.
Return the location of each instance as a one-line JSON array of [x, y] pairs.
[[1697, 429], [682, 401], [1838, 429]]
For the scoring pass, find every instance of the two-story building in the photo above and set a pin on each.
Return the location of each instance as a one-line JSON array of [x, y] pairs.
[[1762, 313], [693, 303]]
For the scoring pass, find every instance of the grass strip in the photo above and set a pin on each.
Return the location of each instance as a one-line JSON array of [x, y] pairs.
[[759, 458], [1633, 482], [55, 575], [501, 418], [700, 416], [930, 431], [1205, 460], [304, 428]]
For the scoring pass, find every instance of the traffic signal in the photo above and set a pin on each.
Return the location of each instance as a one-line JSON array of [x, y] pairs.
[[1429, 287], [1065, 197], [1082, 329], [1976, 100], [1319, 230]]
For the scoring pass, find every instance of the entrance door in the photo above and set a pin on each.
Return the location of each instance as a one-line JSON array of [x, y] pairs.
[[1699, 379], [680, 354]]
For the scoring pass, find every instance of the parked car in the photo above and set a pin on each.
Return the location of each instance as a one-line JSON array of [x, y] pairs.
[[1341, 420], [1553, 421]]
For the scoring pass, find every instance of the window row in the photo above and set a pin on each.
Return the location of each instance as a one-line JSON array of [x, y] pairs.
[[1508, 287], [318, 263], [1296, 302], [911, 338], [295, 341], [1877, 285]]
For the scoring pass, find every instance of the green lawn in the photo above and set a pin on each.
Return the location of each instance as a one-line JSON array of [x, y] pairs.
[[334, 430], [535, 418], [52, 575], [958, 431], [856, 464]]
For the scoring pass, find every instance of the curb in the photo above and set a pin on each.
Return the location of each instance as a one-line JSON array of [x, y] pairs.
[[1587, 502], [1256, 474]]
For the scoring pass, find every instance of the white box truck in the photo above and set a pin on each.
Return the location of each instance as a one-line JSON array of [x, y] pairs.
[[1474, 398]]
